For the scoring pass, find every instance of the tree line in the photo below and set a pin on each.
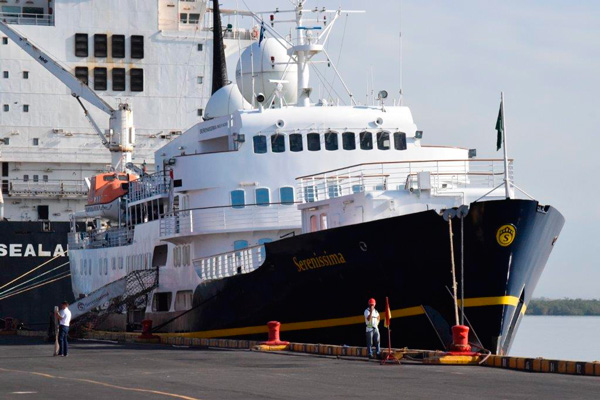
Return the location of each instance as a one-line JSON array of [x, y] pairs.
[[543, 306]]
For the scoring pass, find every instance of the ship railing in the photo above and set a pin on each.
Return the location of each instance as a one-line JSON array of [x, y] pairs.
[[229, 218], [27, 18], [241, 261], [444, 176], [112, 237], [149, 186], [52, 188]]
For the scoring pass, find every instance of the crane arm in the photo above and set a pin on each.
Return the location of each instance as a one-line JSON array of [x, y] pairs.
[[93, 123], [78, 88]]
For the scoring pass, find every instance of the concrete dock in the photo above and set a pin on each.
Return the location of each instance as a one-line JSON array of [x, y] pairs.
[[100, 370]]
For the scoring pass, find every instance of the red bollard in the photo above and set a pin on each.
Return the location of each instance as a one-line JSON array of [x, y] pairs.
[[460, 338], [274, 334], [147, 331]]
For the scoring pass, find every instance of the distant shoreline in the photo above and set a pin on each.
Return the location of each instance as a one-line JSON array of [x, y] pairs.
[[576, 307]]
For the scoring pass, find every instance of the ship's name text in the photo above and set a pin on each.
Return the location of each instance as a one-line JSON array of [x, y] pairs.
[[325, 260], [21, 250]]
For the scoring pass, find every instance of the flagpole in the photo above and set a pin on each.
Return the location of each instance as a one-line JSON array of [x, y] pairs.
[[506, 181]]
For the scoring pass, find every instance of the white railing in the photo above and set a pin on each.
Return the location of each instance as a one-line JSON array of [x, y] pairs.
[[27, 19], [445, 176], [149, 186], [224, 219], [232, 263], [53, 188], [112, 237]]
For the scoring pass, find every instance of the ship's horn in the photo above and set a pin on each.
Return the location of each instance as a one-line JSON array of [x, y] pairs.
[[219, 75]]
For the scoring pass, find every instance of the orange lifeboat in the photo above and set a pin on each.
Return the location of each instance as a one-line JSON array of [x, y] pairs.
[[105, 192]]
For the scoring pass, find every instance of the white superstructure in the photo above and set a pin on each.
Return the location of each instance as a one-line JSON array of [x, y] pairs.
[[153, 55], [229, 185]]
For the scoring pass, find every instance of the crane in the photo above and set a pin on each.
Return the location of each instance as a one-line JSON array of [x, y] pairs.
[[121, 132]]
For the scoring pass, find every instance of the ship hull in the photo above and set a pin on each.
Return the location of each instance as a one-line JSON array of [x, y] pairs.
[[317, 284], [23, 247]]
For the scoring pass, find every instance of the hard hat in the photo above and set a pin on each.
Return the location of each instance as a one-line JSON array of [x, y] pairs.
[[371, 302]]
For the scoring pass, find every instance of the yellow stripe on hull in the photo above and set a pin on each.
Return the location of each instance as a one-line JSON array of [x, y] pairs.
[[329, 323]]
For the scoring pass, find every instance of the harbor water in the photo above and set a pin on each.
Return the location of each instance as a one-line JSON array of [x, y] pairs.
[[558, 337]]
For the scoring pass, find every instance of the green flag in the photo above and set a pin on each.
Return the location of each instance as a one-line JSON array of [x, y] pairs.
[[500, 128]]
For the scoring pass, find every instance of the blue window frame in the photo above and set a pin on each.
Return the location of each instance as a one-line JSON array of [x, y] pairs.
[[309, 193], [240, 244], [262, 197], [238, 198], [286, 195]]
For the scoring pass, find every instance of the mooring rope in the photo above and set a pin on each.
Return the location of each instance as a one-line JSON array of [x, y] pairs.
[[34, 269], [32, 279], [35, 286]]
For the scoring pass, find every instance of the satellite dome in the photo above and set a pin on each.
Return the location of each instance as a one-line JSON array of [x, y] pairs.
[[267, 62], [225, 101]]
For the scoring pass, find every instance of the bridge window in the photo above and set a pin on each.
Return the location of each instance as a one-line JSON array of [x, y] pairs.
[[262, 197], [118, 77], [137, 46], [25, 107], [6, 107], [194, 18], [323, 218], [314, 226], [295, 142], [137, 79], [4, 40], [358, 188], [25, 74], [5, 74], [118, 46], [286, 195], [348, 141], [313, 142], [400, 140], [238, 198], [260, 144], [81, 44], [25, 178], [81, 73], [277, 143], [100, 47], [383, 140], [366, 141], [331, 141], [100, 78], [334, 191]]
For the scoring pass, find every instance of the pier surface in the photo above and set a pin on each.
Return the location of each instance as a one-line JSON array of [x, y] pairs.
[[100, 370]]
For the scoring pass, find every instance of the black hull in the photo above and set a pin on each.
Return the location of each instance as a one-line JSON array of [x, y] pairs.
[[406, 258], [33, 307]]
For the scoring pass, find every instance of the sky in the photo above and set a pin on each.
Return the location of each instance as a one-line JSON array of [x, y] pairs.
[[457, 56]]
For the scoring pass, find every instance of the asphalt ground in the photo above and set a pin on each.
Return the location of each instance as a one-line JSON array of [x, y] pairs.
[[104, 370]]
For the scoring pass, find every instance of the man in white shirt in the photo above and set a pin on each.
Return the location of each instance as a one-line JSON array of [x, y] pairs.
[[64, 317], [372, 322]]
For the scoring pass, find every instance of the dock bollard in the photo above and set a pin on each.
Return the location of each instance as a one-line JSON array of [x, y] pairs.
[[460, 338], [274, 334], [147, 335]]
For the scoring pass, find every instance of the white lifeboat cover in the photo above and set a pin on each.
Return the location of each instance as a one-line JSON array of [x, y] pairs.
[[225, 101]]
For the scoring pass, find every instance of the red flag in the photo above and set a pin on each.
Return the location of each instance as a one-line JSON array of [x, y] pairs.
[[388, 313]]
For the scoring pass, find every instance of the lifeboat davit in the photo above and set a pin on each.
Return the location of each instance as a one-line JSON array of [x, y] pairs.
[[106, 191]]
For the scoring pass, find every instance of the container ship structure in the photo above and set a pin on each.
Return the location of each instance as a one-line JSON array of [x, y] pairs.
[[279, 206], [153, 55]]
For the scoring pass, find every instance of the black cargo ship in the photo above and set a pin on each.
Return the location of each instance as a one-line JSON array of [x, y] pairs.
[[23, 247]]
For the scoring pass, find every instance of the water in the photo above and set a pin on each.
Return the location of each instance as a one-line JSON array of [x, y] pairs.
[[558, 337]]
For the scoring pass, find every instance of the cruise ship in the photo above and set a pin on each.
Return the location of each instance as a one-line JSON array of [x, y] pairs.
[[153, 55], [282, 206]]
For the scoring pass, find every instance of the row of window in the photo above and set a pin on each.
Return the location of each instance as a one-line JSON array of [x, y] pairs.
[[330, 141], [101, 45], [182, 256], [136, 76], [190, 18], [131, 263], [262, 197], [6, 108], [6, 74], [35, 178]]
